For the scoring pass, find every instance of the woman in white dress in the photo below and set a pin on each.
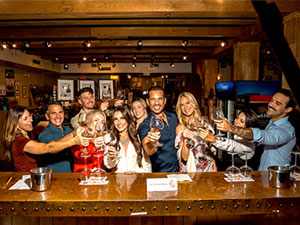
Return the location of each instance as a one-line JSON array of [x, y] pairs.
[[127, 155]]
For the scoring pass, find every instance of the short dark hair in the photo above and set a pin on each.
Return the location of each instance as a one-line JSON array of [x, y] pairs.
[[85, 89], [156, 88], [288, 93], [53, 103]]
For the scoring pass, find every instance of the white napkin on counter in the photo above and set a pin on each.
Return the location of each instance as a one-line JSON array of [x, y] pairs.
[[20, 184]]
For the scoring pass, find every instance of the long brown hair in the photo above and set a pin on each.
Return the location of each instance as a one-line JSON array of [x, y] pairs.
[[132, 132], [11, 130]]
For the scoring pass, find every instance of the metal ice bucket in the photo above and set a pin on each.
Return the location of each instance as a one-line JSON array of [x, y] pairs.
[[40, 178], [279, 177]]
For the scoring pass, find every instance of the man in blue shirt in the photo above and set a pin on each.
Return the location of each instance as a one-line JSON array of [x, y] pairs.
[[62, 161], [278, 138], [164, 158]]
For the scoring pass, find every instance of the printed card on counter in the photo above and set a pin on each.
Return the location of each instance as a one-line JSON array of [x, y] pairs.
[[92, 181], [162, 184], [237, 178], [296, 176], [181, 178]]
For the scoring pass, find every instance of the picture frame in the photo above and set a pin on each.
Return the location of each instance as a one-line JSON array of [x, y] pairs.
[[2, 90], [87, 83], [65, 90], [17, 87], [24, 91], [106, 90]]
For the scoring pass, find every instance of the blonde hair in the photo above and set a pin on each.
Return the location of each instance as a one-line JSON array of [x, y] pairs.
[[181, 117], [90, 116], [144, 104]]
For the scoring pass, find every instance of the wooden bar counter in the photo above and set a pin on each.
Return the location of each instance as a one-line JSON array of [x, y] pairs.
[[208, 196]]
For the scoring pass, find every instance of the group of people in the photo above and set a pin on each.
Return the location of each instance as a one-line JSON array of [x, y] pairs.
[[133, 146]]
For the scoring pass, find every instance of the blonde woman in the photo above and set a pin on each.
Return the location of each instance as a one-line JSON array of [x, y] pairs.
[[139, 110], [23, 149], [194, 154]]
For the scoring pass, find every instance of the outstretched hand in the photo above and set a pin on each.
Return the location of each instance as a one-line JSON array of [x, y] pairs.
[[222, 125], [206, 135]]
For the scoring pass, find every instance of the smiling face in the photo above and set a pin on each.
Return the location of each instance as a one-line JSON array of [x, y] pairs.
[[25, 122], [186, 106], [55, 115], [87, 100], [156, 101], [99, 123], [277, 106], [138, 110], [240, 120], [119, 122]]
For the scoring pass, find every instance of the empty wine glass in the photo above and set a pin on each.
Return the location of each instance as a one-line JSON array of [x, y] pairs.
[[218, 114], [233, 169], [245, 169], [295, 168], [85, 154], [110, 139], [101, 131], [156, 124]]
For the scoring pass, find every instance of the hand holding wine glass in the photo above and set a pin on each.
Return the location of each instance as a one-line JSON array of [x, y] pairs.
[[156, 124], [217, 116]]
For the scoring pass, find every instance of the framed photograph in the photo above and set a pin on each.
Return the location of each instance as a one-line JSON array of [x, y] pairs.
[[17, 87], [106, 90], [2, 90], [87, 83], [24, 91], [65, 90]]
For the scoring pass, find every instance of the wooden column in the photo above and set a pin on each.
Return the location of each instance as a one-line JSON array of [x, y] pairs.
[[292, 34], [211, 70], [246, 61]]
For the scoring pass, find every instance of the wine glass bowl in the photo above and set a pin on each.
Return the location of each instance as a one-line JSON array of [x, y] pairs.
[[295, 168], [218, 115], [156, 124], [232, 169], [245, 169]]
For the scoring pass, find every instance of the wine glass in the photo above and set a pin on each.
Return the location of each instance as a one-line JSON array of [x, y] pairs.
[[218, 115], [110, 139], [156, 124], [85, 154], [233, 169], [295, 168], [101, 129], [82, 119], [245, 169]]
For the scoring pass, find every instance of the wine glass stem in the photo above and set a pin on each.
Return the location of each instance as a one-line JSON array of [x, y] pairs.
[[232, 156], [99, 165], [246, 163], [85, 164]]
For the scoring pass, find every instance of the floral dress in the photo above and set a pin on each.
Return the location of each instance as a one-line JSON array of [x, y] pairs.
[[201, 158]]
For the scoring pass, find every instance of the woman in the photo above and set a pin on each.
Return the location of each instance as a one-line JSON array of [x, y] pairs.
[[25, 150], [139, 110], [127, 155], [246, 118], [195, 157], [95, 120]]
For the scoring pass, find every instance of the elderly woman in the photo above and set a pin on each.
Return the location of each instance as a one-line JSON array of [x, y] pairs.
[[24, 150], [127, 154], [194, 154], [139, 111]]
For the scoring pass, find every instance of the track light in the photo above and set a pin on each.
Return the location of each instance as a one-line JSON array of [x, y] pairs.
[[79, 65], [56, 59], [133, 65], [185, 43], [66, 66], [184, 57], [87, 44], [3, 45], [47, 44], [94, 59], [27, 44], [84, 58], [14, 45], [134, 58], [172, 65], [223, 43], [106, 57], [139, 45]]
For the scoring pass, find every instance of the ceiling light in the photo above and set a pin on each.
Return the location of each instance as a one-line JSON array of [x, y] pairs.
[[94, 59], [128, 76], [87, 44], [66, 66], [14, 45], [106, 57], [84, 58], [134, 58], [139, 45], [223, 43], [4, 45], [172, 65], [133, 65], [27, 44], [56, 59], [184, 57], [185, 43], [47, 44]]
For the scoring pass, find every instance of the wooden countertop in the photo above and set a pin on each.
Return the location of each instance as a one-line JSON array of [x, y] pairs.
[[208, 194]]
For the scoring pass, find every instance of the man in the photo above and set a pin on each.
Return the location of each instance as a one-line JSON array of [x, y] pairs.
[[62, 161], [164, 158], [278, 138]]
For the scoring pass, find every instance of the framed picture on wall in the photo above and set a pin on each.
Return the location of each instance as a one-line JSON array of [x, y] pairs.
[[24, 91], [106, 90], [17, 87], [2, 90], [10, 82], [87, 83], [65, 90]]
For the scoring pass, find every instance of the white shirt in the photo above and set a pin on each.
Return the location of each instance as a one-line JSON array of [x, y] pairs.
[[128, 162]]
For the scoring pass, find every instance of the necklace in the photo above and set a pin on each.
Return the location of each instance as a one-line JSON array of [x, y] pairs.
[[124, 142]]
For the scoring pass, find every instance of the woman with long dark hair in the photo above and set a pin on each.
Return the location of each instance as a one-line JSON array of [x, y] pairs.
[[23, 149], [127, 154]]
